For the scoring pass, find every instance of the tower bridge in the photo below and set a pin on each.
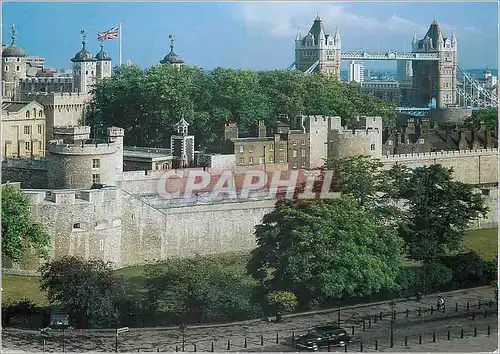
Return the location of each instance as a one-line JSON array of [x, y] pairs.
[[436, 79]]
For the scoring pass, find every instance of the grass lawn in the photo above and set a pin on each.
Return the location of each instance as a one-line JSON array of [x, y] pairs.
[[16, 287]]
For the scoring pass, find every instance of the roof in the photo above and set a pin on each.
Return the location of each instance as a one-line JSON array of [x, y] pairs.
[[433, 33], [102, 55], [13, 51], [83, 55], [13, 107], [171, 58], [317, 29]]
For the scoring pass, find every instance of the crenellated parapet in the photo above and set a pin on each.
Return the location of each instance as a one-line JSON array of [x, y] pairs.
[[70, 196], [61, 148], [439, 155], [57, 98]]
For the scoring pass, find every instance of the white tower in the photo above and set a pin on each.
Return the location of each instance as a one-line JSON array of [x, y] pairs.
[[13, 68], [103, 64], [84, 69]]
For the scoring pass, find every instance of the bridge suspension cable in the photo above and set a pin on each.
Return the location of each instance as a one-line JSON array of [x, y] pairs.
[[312, 68], [471, 93]]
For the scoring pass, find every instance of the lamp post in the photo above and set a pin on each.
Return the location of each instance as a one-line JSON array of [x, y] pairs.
[[116, 314], [392, 324]]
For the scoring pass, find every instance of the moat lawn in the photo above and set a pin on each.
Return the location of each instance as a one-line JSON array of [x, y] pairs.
[[16, 287]]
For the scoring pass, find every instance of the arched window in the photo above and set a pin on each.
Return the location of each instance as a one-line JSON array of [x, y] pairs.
[[372, 147], [27, 114], [17, 68], [40, 114]]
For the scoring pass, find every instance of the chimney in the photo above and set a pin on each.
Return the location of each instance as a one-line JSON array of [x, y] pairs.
[[230, 131], [462, 143], [262, 129]]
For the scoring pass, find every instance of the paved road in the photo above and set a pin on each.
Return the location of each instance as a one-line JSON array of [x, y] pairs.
[[168, 339]]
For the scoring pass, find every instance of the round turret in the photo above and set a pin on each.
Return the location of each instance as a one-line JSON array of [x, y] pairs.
[[13, 51], [83, 54], [102, 55], [172, 57]]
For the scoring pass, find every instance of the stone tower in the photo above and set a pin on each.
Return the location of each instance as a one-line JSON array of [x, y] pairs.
[[172, 58], [13, 68], [103, 65], [318, 45], [435, 81], [84, 69], [182, 145]]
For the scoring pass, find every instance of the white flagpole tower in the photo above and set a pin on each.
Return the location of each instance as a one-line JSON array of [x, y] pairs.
[[120, 37]]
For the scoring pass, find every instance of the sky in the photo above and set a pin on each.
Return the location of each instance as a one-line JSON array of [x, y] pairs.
[[245, 35]]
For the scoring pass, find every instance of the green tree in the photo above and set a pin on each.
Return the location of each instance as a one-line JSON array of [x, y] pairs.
[[201, 289], [19, 233], [438, 210], [321, 250], [88, 290], [487, 116]]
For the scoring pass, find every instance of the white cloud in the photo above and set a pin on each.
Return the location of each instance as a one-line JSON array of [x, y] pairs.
[[282, 19]]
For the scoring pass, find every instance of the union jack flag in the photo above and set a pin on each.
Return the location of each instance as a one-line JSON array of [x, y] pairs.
[[109, 34]]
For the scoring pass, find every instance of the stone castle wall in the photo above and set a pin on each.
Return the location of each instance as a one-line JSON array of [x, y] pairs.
[[469, 166]]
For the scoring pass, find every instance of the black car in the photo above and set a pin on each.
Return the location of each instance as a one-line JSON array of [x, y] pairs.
[[322, 337]]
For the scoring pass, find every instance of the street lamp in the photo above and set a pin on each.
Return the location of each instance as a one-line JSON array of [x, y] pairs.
[[392, 324]]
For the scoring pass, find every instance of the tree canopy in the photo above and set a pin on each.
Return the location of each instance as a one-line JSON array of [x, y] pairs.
[[88, 290], [438, 210], [147, 103], [19, 233], [321, 250]]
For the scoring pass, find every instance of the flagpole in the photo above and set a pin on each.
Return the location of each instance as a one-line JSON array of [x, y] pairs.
[[120, 34]]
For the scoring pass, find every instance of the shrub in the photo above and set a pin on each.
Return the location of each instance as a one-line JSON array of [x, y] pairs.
[[282, 302], [436, 276], [409, 281], [491, 270]]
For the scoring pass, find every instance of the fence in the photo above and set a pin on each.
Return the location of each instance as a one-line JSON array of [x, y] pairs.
[[369, 331]]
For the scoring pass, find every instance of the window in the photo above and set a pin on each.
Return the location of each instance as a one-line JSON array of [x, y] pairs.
[[242, 149], [303, 152], [250, 160], [294, 154], [39, 145], [27, 128], [372, 147], [294, 142], [250, 149], [242, 161], [261, 160], [282, 161], [421, 141], [96, 178], [76, 226], [390, 142], [303, 142], [6, 68], [40, 128], [271, 159], [27, 146], [271, 147], [281, 146], [40, 113], [96, 163], [295, 165], [317, 132], [86, 72], [27, 114], [17, 68]]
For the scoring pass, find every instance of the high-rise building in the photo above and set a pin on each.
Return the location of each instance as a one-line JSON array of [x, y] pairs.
[[356, 71]]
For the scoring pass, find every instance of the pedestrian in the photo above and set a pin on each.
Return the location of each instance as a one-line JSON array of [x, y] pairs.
[[440, 303]]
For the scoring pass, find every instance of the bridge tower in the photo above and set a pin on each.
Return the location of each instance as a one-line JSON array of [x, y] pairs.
[[435, 80], [318, 45]]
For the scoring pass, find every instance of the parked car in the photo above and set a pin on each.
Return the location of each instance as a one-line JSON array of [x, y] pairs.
[[323, 336]]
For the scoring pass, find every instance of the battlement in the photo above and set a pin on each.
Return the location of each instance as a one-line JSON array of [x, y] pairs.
[[115, 132], [70, 196], [439, 155], [57, 98], [348, 133], [61, 148], [48, 80]]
